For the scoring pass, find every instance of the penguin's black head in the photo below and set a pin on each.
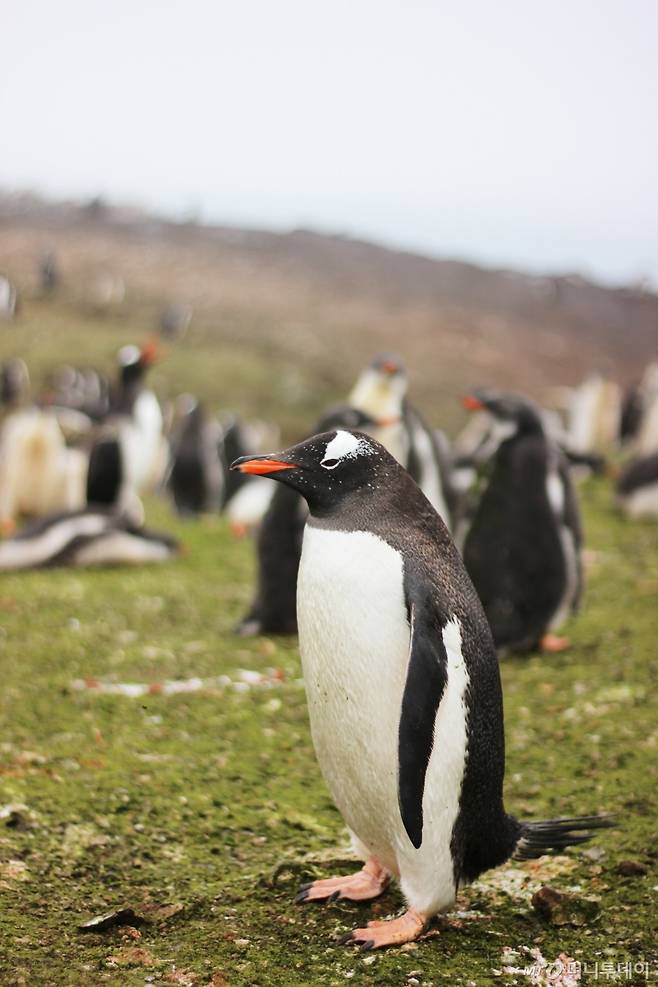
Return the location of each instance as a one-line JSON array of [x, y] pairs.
[[520, 414], [134, 362], [326, 469]]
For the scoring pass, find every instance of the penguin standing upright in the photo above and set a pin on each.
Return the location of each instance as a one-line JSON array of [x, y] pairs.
[[381, 393], [129, 456], [522, 549], [279, 543], [403, 686], [196, 480]]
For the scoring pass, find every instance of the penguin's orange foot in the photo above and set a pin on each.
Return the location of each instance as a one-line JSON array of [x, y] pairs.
[[551, 642], [367, 884], [394, 932], [239, 530], [7, 527]]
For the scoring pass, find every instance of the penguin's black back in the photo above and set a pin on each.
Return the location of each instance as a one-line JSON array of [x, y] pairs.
[[638, 473], [231, 447], [105, 472], [188, 479], [513, 551]]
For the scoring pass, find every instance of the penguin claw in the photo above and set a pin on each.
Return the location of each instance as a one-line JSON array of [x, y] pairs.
[[344, 940], [365, 885], [390, 932]]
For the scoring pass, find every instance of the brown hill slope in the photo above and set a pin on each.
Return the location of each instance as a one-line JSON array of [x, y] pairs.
[[328, 302]]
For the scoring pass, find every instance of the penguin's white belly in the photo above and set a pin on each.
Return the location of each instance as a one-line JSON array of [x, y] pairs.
[[354, 640], [556, 497]]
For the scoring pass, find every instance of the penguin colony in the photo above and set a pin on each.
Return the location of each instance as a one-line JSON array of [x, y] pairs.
[[400, 626]]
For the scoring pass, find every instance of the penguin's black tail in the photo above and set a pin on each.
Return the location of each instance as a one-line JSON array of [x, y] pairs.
[[553, 835]]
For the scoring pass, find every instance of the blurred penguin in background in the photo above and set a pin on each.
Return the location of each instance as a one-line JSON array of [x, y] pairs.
[[381, 393], [244, 500], [646, 440], [48, 273], [8, 298], [14, 385], [637, 488], [87, 537], [523, 547], [130, 455], [279, 545], [594, 415], [196, 479]]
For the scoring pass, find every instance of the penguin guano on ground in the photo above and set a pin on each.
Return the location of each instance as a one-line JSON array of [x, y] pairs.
[[381, 393], [279, 543], [637, 488], [403, 687], [88, 537], [522, 549]]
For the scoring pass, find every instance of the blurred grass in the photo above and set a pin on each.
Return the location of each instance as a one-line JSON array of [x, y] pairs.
[[200, 799]]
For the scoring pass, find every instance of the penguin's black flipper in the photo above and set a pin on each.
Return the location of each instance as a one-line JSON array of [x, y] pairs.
[[538, 838], [427, 675]]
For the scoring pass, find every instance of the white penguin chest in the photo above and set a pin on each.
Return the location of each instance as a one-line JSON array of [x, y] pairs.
[[354, 640]]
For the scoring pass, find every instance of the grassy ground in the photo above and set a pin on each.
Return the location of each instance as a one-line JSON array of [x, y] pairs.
[[203, 812], [211, 803]]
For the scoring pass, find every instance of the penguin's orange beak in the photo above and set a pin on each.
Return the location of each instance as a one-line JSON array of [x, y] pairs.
[[390, 367], [150, 352], [260, 466], [471, 403]]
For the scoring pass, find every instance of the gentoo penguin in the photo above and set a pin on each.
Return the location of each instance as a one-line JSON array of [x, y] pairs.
[[403, 687], [279, 543], [594, 417], [175, 320], [244, 501], [38, 472], [8, 298], [196, 479], [637, 488], [129, 456], [522, 549], [88, 537], [14, 384], [381, 393]]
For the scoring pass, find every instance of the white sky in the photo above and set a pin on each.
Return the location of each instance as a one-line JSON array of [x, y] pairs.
[[518, 132]]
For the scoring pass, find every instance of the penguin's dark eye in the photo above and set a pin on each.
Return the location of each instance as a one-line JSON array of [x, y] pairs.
[[330, 464]]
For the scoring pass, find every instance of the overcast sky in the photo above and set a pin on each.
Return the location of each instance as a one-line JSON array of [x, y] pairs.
[[511, 132]]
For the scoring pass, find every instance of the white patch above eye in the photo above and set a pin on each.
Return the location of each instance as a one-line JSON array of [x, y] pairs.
[[344, 445]]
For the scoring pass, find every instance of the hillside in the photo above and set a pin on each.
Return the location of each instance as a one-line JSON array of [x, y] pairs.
[[321, 305]]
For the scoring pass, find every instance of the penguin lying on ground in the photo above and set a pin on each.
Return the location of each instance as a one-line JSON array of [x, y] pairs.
[[381, 393], [637, 488], [279, 544], [522, 549], [91, 536], [403, 687]]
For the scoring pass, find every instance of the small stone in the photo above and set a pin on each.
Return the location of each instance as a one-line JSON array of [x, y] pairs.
[[631, 868], [560, 908]]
